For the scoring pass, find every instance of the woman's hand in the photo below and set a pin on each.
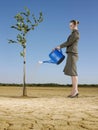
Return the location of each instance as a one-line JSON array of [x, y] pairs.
[[58, 48]]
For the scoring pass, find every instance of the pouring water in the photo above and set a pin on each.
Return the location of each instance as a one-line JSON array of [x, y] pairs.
[[40, 62]]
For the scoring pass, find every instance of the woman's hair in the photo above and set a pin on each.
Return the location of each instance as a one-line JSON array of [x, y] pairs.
[[75, 22]]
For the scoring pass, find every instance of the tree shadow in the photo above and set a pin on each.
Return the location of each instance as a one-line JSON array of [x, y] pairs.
[[18, 97]]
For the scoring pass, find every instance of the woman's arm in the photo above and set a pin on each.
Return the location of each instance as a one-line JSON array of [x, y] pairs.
[[73, 37]]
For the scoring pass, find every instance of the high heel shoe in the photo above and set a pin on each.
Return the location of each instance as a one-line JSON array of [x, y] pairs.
[[69, 96], [74, 96]]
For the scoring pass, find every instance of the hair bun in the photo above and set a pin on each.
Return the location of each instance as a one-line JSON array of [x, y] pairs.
[[77, 22]]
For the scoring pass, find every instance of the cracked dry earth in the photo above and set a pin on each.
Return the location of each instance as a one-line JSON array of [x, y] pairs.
[[51, 112]]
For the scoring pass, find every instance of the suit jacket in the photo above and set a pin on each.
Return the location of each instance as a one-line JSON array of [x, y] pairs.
[[72, 42]]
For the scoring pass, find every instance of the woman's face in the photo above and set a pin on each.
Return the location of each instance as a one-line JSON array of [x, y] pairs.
[[72, 26]]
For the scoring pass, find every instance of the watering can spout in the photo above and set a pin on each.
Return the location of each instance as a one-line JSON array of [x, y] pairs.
[[56, 57], [48, 61]]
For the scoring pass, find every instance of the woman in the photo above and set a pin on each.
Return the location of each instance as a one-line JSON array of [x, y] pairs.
[[72, 56]]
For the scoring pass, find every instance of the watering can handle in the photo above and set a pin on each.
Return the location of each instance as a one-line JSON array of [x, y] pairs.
[[60, 50]]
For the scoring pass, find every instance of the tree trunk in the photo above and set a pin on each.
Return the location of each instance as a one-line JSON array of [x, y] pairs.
[[24, 72]]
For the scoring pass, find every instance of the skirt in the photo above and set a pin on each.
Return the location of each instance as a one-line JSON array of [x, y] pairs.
[[71, 67]]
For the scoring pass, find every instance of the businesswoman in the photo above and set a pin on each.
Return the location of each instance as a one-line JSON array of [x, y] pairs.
[[70, 68]]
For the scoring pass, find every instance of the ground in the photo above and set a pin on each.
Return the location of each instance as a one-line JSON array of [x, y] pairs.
[[48, 109]]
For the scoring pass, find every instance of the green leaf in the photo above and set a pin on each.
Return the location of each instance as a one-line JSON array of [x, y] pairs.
[[11, 41], [23, 41], [28, 20], [40, 17], [22, 13], [36, 24], [27, 11], [25, 28], [19, 17], [17, 28], [32, 27], [22, 54], [34, 18], [14, 27], [41, 14], [19, 38], [40, 20]]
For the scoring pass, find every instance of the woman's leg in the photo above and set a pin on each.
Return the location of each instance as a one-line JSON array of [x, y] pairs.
[[74, 85]]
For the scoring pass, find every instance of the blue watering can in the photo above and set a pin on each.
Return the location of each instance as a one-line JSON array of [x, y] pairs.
[[56, 57]]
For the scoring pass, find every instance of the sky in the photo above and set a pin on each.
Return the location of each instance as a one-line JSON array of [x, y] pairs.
[[53, 31]]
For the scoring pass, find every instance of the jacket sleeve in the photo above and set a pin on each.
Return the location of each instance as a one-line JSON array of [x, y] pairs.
[[73, 37]]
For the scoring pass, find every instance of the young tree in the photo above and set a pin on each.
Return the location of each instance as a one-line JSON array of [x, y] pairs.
[[25, 22]]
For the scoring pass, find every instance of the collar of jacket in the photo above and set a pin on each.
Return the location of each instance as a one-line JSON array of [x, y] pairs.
[[74, 30]]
